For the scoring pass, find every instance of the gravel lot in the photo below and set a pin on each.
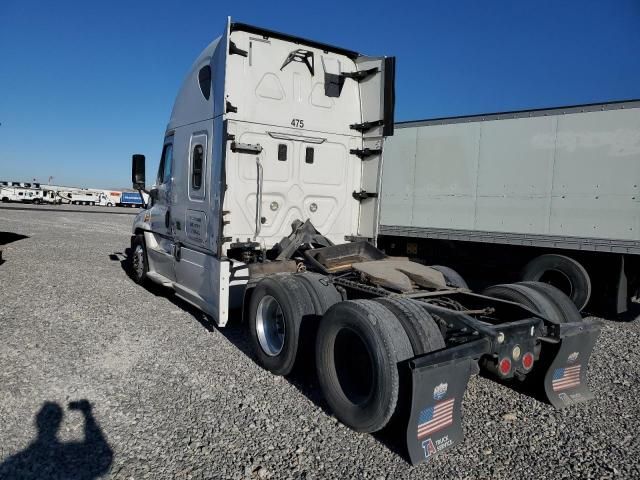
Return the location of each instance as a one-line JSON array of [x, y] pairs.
[[173, 397]]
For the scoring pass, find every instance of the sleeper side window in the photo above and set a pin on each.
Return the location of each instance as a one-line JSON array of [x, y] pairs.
[[204, 80], [196, 167]]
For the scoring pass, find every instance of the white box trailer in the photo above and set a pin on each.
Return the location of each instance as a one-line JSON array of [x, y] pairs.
[[547, 195], [266, 192]]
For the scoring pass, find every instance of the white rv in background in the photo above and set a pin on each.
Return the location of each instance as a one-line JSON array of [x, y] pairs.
[[78, 197], [20, 194]]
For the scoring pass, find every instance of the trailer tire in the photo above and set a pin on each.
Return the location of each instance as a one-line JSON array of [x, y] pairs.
[[358, 348], [452, 277], [566, 306], [527, 296], [139, 265], [278, 306], [575, 283], [418, 324]]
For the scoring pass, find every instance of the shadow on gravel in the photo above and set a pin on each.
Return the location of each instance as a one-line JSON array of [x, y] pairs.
[[48, 457], [303, 377], [9, 237]]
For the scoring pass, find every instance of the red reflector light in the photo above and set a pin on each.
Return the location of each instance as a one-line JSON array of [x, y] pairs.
[[527, 360], [504, 366]]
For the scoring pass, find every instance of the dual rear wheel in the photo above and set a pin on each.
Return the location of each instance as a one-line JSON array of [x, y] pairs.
[[540, 297], [357, 344]]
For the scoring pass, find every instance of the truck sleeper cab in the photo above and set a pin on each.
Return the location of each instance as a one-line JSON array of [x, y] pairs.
[[266, 199]]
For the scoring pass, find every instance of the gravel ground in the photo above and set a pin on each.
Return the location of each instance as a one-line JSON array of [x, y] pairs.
[[174, 397]]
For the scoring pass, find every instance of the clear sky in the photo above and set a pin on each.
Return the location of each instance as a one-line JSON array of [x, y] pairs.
[[85, 84]]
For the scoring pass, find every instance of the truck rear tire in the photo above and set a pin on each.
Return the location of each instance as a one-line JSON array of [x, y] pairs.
[[323, 293], [453, 278], [530, 298], [277, 307], [422, 330], [569, 310], [562, 272], [358, 347]]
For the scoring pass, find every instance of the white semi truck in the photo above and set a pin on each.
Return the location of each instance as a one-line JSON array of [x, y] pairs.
[[545, 195], [108, 198], [265, 196]]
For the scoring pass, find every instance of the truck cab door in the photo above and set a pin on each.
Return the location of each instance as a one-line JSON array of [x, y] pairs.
[[161, 243], [377, 96]]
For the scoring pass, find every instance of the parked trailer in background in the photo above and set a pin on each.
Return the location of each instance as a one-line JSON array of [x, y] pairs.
[[270, 162], [549, 195], [132, 199]]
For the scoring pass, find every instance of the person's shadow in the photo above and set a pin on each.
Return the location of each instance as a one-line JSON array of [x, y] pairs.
[[49, 458]]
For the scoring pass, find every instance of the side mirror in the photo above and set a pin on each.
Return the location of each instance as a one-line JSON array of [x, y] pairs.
[[137, 171]]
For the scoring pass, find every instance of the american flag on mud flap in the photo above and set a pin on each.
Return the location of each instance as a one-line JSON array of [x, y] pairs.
[[566, 377], [435, 418]]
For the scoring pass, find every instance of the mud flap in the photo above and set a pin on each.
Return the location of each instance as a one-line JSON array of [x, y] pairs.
[[565, 380], [434, 423]]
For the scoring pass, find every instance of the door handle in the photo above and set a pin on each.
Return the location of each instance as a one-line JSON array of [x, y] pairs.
[[167, 219]]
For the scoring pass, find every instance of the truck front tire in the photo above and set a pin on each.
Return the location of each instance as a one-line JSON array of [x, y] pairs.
[[358, 347], [278, 306], [139, 264]]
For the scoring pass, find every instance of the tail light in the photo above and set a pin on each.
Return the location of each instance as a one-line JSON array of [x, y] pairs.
[[504, 366], [527, 361]]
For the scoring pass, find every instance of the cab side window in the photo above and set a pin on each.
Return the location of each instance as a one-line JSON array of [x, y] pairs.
[[164, 170]]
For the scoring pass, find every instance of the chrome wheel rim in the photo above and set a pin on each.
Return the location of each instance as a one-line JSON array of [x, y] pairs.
[[270, 326], [138, 261]]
